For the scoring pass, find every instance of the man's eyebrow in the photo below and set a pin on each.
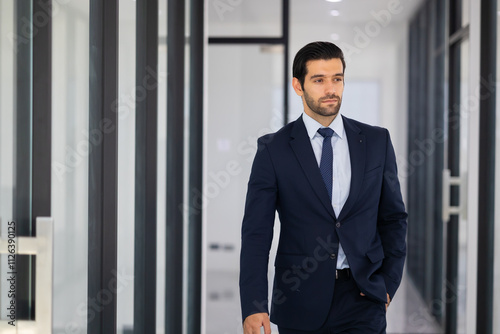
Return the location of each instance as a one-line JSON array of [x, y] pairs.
[[323, 75]]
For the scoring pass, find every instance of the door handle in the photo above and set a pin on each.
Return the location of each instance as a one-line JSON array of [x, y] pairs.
[[449, 181]]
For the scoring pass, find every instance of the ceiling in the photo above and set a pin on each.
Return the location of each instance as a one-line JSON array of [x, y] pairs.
[[221, 12], [352, 10], [304, 11]]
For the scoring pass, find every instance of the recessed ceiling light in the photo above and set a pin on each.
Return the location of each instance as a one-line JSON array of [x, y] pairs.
[[334, 0], [334, 13], [334, 37]]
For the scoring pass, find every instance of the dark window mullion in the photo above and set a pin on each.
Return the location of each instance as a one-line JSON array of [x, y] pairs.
[[455, 15], [430, 181], [103, 166], [487, 131], [41, 120], [452, 227], [412, 231], [175, 166], [146, 167], [195, 231], [439, 78], [22, 199], [452, 245], [285, 20], [42, 116]]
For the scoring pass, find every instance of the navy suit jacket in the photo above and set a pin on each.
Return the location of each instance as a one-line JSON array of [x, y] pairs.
[[371, 226]]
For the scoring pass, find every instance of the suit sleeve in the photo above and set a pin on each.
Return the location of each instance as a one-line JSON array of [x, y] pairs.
[[257, 233], [392, 222]]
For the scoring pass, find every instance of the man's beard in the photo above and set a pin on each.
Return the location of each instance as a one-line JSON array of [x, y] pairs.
[[323, 111]]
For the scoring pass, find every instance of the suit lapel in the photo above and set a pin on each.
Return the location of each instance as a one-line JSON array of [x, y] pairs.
[[301, 145], [357, 152]]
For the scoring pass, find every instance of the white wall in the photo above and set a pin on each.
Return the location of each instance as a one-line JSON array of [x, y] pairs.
[[382, 66]]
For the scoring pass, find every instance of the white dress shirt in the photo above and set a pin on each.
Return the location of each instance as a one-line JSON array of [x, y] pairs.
[[341, 166]]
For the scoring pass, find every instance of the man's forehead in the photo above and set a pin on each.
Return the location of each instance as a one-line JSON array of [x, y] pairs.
[[324, 65]]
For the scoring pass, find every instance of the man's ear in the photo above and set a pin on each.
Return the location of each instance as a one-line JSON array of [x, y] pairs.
[[297, 86]]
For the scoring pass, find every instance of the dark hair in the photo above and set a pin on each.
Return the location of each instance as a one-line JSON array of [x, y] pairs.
[[315, 51]]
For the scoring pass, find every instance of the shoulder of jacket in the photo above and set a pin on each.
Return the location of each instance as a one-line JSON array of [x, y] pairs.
[[366, 128], [277, 136]]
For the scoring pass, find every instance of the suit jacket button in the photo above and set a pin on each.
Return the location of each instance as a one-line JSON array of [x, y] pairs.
[[338, 225], [332, 256]]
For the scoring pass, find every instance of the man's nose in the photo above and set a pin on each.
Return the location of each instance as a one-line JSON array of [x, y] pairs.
[[330, 88]]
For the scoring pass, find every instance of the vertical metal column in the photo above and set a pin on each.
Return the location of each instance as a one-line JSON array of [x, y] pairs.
[[452, 228], [439, 78], [32, 190], [175, 165], [427, 126], [195, 212], [103, 167], [22, 155], [146, 167], [454, 167], [412, 263], [32, 187], [487, 135], [420, 134], [42, 117], [285, 20]]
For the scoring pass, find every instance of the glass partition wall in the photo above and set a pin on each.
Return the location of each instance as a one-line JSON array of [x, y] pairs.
[[74, 152], [456, 277], [247, 85], [246, 102]]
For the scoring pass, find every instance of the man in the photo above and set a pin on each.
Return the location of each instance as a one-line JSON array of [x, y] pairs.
[[333, 182]]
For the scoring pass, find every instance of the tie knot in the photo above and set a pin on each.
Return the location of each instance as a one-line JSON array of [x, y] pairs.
[[325, 132]]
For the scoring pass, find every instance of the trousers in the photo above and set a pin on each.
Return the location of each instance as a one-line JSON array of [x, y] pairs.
[[350, 313]]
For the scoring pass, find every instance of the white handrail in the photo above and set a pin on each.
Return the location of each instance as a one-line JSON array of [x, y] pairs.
[[42, 247]]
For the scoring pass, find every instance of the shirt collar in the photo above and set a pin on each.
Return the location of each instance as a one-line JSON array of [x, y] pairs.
[[312, 126]]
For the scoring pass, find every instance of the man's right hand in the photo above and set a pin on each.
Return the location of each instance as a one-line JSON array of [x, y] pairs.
[[254, 322]]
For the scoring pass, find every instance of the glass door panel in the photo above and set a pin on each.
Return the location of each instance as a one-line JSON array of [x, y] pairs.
[[127, 90], [245, 86], [71, 144]]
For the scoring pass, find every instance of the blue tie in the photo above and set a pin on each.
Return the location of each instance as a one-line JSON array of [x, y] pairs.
[[326, 163]]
